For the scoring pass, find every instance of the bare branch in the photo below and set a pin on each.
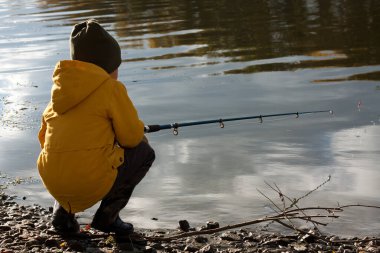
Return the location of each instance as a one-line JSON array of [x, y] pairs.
[[270, 201]]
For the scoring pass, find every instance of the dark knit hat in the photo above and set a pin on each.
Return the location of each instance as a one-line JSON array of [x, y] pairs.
[[89, 42]]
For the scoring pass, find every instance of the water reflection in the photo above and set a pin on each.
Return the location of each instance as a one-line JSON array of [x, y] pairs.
[[240, 31], [354, 149], [375, 75]]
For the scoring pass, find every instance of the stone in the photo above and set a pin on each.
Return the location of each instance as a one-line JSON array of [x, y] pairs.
[[207, 249], [277, 242], [374, 243], [51, 243], [191, 248], [28, 224], [5, 228], [42, 237], [299, 247], [370, 249], [36, 249], [200, 239], [179, 246], [249, 238], [229, 236], [234, 250], [212, 225], [6, 241], [26, 216], [149, 249], [308, 238], [184, 225], [202, 228], [6, 250], [157, 246], [41, 226], [32, 243], [334, 239]]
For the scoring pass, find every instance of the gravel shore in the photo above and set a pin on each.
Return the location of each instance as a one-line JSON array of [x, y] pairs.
[[28, 229]]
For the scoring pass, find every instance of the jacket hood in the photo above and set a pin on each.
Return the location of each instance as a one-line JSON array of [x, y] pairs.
[[73, 82]]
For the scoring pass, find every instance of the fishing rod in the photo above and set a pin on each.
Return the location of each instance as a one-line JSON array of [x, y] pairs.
[[175, 126]]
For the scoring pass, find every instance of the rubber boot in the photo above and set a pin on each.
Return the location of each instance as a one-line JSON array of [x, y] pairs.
[[107, 217], [136, 164], [64, 222], [118, 227]]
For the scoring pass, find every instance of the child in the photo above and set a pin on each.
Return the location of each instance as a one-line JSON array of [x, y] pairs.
[[92, 140]]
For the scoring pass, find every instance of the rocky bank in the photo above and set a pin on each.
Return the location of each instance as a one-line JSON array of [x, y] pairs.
[[28, 229]]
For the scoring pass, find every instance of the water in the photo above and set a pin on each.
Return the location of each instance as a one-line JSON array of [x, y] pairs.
[[196, 60]]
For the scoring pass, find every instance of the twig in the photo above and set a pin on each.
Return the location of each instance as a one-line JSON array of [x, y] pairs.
[[293, 201], [301, 231], [270, 201], [358, 205], [319, 186]]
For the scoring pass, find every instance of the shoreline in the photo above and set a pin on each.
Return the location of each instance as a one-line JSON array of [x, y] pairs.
[[28, 229]]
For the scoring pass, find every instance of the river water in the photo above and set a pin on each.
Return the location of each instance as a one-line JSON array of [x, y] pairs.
[[195, 60]]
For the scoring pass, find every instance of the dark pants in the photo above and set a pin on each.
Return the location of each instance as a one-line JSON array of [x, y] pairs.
[[137, 162]]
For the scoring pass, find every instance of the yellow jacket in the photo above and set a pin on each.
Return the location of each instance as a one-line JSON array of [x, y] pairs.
[[88, 117]]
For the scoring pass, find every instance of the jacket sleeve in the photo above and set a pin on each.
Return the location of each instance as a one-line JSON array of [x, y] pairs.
[[42, 132], [129, 129]]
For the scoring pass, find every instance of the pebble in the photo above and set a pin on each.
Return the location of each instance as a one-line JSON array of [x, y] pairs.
[[212, 225], [200, 239], [299, 247], [191, 248], [50, 243], [230, 236], [149, 249], [184, 225], [207, 249], [5, 228]]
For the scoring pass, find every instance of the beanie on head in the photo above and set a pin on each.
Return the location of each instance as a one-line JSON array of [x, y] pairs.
[[89, 42]]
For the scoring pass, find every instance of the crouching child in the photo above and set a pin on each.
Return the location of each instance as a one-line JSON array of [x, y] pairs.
[[92, 140]]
